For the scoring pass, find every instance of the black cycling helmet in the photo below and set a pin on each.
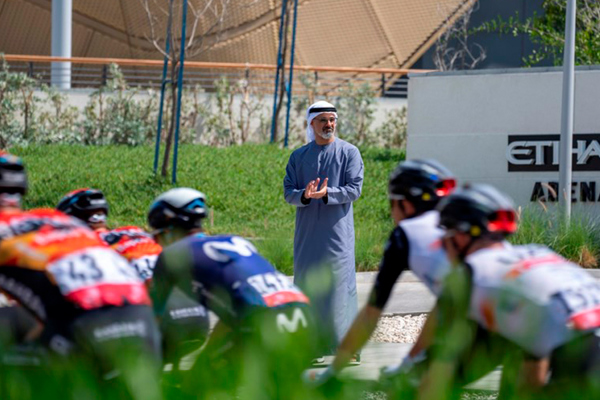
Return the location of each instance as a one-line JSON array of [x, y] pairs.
[[13, 178], [422, 182], [81, 203], [478, 210], [180, 207]]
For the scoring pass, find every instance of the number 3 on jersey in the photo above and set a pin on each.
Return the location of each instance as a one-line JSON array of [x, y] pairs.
[[93, 267]]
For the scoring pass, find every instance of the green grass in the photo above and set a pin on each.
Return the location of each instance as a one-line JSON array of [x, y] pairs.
[[244, 185]]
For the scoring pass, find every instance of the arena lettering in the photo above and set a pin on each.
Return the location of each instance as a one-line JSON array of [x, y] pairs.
[[528, 153], [581, 191]]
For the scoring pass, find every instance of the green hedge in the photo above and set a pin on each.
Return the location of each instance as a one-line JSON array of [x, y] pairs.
[[244, 185]]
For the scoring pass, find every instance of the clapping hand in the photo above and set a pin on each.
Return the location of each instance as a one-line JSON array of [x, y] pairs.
[[312, 190]]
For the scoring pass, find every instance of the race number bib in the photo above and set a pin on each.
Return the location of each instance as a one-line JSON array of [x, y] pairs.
[[145, 266], [583, 304], [276, 289], [97, 277]]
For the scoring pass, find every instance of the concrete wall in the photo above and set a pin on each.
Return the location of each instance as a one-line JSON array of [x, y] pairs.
[[80, 97], [465, 120]]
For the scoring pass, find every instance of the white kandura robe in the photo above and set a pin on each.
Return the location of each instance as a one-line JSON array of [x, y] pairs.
[[324, 232]]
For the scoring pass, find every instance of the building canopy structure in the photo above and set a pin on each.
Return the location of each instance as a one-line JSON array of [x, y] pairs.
[[349, 33]]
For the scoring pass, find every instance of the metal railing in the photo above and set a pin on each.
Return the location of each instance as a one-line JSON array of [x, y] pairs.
[[329, 81]]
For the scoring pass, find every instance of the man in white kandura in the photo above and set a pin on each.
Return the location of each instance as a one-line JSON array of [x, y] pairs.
[[322, 180]]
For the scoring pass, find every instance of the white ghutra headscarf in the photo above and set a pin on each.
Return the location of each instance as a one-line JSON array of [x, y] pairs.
[[316, 109]]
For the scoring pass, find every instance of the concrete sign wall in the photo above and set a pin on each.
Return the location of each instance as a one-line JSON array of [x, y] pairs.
[[502, 127]]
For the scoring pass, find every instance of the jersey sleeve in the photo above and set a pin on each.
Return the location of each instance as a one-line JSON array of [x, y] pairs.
[[161, 286], [455, 332], [395, 260]]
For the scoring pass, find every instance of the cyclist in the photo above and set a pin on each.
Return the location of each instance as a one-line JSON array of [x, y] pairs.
[[511, 297], [186, 324], [262, 339], [95, 310], [415, 187], [132, 242], [89, 205]]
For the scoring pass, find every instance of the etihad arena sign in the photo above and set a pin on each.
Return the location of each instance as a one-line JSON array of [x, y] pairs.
[[502, 127]]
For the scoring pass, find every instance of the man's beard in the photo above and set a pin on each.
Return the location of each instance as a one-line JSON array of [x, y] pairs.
[[327, 135]]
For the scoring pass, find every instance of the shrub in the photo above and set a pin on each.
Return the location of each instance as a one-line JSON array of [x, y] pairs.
[[578, 241]]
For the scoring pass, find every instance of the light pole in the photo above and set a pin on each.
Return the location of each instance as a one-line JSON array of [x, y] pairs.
[[568, 100], [62, 22]]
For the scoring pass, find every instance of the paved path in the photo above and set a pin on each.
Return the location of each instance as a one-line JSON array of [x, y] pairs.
[[409, 296], [377, 355]]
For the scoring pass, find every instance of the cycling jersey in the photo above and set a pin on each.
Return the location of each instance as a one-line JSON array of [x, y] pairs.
[[227, 275], [58, 268], [533, 297], [185, 324], [414, 244], [136, 245]]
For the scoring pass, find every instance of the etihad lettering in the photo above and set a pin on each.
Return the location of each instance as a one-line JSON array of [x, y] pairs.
[[528, 153]]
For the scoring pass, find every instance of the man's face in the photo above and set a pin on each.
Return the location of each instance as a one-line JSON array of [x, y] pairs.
[[324, 125]]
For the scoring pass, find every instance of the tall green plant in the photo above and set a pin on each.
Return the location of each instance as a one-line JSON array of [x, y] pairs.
[[58, 121], [547, 32], [578, 240], [356, 108], [227, 119], [18, 106], [114, 116], [392, 132]]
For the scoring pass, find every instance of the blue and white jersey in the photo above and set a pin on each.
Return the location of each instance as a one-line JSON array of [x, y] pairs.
[[226, 274]]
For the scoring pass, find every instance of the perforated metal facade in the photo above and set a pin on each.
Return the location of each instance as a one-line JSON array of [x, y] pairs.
[[351, 33]]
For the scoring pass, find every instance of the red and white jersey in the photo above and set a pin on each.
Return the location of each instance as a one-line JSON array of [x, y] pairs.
[[532, 296], [136, 245], [57, 267]]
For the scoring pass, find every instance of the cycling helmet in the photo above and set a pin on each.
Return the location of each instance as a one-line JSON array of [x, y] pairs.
[[478, 210], [13, 178], [82, 203], [180, 207], [422, 182]]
